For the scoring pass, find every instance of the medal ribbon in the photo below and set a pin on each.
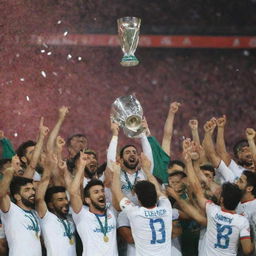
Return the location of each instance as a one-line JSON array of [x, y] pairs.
[[33, 220], [67, 228], [128, 181], [104, 230]]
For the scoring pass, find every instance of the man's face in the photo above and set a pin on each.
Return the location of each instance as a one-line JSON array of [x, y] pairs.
[[27, 195], [60, 204], [97, 198], [29, 153], [242, 182], [92, 165], [78, 143], [208, 175], [130, 158], [176, 183], [244, 154], [175, 167]]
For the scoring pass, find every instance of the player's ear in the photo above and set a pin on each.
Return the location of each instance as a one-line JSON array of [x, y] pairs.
[[87, 200]]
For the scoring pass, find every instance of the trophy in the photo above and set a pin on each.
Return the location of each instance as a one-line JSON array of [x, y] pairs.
[[128, 113], [128, 30]]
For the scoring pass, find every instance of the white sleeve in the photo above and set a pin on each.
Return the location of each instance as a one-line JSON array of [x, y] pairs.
[[175, 214], [147, 150], [245, 230], [164, 201], [126, 204], [236, 169], [2, 233], [77, 217], [122, 220], [225, 172], [111, 154], [37, 176]]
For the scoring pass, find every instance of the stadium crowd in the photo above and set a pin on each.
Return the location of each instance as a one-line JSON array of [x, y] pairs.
[[138, 202]]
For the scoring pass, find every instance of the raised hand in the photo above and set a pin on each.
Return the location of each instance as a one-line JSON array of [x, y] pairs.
[[221, 122], [144, 124], [15, 163], [209, 126], [115, 167], [1, 134], [193, 124], [60, 142], [250, 133], [186, 144], [114, 127], [63, 111], [174, 107], [43, 129]]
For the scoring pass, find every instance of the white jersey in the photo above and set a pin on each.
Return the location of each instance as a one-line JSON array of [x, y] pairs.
[[59, 235], [224, 229], [201, 243], [176, 249], [248, 209], [151, 228], [236, 169], [91, 234], [2, 233], [125, 185], [123, 221], [22, 231]]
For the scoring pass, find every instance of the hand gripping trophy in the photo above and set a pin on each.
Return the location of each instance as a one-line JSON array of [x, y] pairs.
[[128, 30]]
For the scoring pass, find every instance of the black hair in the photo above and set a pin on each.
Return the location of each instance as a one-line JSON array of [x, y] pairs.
[[79, 135], [53, 190], [251, 180], [175, 173], [231, 195], [239, 144], [208, 167], [22, 149], [91, 183], [102, 168], [146, 193], [17, 182], [177, 162], [4, 161], [123, 149]]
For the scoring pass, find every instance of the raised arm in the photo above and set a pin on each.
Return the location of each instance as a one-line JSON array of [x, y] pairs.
[[111, 153], [74, 189], [220, 142], [250, 135], [49, 164], [5, 200], [43, 131], [63, 111], [193, 124], [168, 127], [65, 174]]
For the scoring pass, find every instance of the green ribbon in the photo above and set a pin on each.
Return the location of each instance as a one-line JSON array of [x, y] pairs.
[[104, 230], [128, 181], [67, 227], [33, 220]]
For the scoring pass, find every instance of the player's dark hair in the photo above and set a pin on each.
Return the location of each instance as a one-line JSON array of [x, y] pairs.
[[251, 180], [231, 195], [177, 162], [91, 183], [17, 182], [123, 149], [22, 149], [146, 193], [239, 145], [51, 191], [3, 162], [79, 135], [177, 173], [208, 167]]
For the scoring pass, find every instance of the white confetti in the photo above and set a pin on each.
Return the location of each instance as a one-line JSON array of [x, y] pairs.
[[59, 22], [65, 33], [15, 134], [43, 73], [17, 55], [79, 58], [55, 74], [22, 79], [69, 56], [43, 51], [45, 45], [27, 98], [246, 53], [49, 53]]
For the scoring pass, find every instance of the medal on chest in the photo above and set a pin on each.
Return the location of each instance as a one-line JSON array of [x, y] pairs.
[[103, 229]]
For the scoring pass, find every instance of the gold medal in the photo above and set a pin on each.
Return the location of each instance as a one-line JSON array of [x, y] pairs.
[[71, 241], [105, 239]]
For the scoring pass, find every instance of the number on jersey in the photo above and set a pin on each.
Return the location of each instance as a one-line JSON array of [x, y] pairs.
[[223, 233], [158, 231]]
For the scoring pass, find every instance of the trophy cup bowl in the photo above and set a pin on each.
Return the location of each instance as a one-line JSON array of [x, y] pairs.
[[128, 113], [128, 31]]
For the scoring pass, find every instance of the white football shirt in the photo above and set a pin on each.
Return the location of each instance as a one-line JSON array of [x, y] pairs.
[[22, 231], [91, 234], [151, 228], [59, 235], [224, 229]]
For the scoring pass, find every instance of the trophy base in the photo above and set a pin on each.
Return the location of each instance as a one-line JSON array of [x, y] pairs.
[[129, 61]]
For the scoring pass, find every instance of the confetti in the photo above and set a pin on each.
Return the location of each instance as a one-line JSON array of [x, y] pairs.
[[65, 33], [69, 56], [22, 79], [246, 53], [79, 58], [49, 53], [45, 45], [43, 51], [59, 22], [17, 55], [55, 74], [27, 98], [43, 73], [15, 134]]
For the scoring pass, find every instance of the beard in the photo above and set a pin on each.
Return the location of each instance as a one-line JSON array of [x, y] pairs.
[[98, 207], [89, 173], [28, 203], [131, 166], [60, 213]]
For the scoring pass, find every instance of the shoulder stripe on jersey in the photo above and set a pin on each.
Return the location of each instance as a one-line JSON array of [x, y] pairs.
[[245, 237]]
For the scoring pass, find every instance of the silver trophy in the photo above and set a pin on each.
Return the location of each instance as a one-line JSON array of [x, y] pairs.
[[128, 113], [128, 30]]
